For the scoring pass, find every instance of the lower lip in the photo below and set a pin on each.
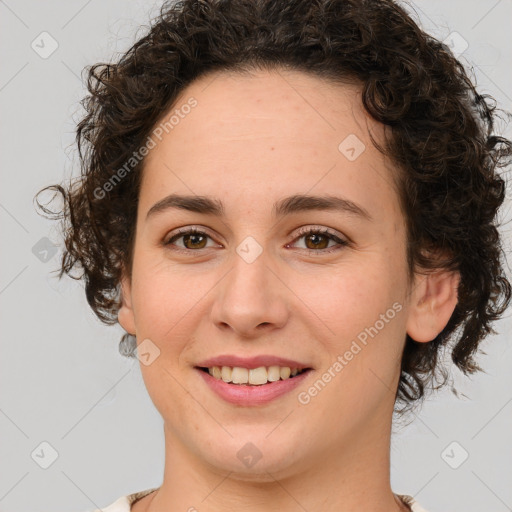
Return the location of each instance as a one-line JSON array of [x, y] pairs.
[[248, 395]]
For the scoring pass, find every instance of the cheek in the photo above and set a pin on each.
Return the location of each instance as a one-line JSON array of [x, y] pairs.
[[349, 299], [363, 343], [170, 302], [163, 294], [167, 392], [359, 312]]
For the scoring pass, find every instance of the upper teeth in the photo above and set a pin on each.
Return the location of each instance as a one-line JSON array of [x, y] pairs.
[[256, 376]]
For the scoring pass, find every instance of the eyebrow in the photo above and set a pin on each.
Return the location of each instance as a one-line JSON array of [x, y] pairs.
[[289, 205]]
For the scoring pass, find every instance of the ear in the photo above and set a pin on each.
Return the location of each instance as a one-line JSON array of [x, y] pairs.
[[433, 300], [125, 315]]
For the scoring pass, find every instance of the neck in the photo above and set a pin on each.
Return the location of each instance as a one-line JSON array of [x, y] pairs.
[[353, 477]]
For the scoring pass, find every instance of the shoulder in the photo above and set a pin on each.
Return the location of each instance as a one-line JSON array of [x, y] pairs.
[[412, 503], [124, 503]]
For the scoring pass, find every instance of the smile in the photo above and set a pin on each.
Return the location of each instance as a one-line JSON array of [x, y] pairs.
[[254, 376], [238, 390]]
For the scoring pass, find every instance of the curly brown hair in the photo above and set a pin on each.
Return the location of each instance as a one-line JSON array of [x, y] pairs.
[[441, 139]]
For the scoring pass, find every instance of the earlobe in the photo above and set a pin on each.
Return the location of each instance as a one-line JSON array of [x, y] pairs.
[[432, 303], [125, 315]]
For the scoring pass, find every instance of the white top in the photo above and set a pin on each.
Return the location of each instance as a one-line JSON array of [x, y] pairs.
[[124, 503]]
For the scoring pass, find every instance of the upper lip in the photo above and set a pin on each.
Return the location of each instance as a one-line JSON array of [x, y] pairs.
[[251, 362]]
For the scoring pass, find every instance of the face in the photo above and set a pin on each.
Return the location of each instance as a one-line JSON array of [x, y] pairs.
[[322, 286]]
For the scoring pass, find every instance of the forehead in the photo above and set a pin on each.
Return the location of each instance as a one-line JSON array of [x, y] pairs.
[[267, 135]]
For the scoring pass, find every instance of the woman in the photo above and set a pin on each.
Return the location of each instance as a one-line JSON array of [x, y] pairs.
[[291, 208]]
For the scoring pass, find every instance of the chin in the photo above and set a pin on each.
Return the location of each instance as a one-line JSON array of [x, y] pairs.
[[254, 458]]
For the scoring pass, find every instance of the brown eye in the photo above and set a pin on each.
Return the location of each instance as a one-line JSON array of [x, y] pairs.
[[192, 240], [195, 240], [317, 240]]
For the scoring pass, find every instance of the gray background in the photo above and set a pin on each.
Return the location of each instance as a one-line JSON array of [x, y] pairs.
[[63, 382]]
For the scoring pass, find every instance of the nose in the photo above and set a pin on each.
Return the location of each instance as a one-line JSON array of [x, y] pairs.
[[251, 299]]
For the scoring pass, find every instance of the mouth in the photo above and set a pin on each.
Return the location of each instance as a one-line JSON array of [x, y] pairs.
[[260, 376], [252, 387]]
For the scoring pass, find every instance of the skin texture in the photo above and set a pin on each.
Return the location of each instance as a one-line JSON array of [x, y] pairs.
[[250, 141]]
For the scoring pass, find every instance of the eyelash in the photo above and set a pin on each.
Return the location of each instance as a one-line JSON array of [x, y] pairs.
[[302, 233]]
